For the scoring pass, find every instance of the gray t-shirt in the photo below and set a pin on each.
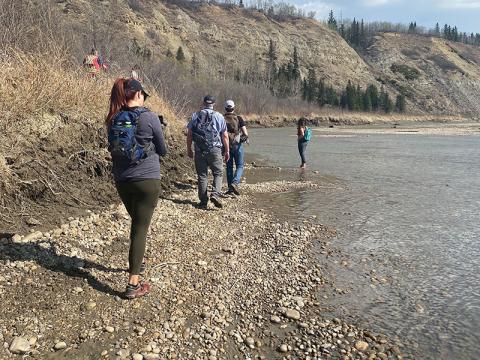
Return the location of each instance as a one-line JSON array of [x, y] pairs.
[[149, 129]]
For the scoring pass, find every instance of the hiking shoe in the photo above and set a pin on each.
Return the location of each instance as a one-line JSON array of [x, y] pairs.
[[216, 201], [133, 292], [234, 188]]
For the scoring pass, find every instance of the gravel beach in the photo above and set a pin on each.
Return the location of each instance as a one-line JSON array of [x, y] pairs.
[[234, 283]]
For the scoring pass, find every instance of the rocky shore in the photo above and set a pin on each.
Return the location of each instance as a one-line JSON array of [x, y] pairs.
[[235, 283]]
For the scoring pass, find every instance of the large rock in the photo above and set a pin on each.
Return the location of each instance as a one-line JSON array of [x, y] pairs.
[[20, 345]]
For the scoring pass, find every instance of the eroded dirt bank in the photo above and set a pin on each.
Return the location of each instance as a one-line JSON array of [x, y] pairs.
[[230, 283]]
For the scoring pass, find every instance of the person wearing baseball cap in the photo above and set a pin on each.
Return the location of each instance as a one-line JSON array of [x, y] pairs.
[[237, 135], [208, 131], [137, 180]]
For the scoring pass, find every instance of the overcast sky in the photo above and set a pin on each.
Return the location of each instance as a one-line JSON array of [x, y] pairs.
[[465, 14]]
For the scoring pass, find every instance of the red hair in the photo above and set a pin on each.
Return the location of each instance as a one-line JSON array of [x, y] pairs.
[[118, 98]]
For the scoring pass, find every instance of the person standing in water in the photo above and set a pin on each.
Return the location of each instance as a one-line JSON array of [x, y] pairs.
[[136, 142], [304, 135]]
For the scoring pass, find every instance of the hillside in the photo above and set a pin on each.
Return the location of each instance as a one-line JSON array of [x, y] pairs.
[[441, 76], [227, 39]]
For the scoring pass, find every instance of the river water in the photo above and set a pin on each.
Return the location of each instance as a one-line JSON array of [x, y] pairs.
[[406, 208]]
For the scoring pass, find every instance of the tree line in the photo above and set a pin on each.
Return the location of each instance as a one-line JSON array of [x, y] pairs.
[[357, 32], [284, 80], [352, 98]]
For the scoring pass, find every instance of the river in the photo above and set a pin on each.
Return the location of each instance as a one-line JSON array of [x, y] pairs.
[[406, 209]]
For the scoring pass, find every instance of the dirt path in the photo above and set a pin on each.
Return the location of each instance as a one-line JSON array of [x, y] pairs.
[[227, 284]]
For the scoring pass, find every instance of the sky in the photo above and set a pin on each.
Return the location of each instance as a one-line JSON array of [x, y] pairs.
[[465, 14]]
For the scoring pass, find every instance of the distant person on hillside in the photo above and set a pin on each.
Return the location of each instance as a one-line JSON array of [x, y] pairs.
[[208, 130], [91, 64], [237, 135], [136, 142], [304, 135], [135, 73]]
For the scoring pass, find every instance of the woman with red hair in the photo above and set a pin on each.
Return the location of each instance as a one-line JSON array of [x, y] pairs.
[[136, 142]]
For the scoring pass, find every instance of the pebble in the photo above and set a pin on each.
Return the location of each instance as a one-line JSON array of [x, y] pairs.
[[60, 345], [201, 263], [151, 356], [90, 305], [20, 345], [137, 357], [109, 329], [250, 342], [292, 314], [283, 348], [275, 319], [361, 345]]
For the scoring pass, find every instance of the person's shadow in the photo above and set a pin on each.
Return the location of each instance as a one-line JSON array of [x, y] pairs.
[[44, 254]]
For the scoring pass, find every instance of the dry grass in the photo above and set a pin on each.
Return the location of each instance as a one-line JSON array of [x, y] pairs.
[[53, 141]]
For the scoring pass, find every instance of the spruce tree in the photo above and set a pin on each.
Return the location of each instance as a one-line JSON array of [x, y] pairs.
[[374, 97], [169, 54], [367, 101], [180, 55], [332, 22], [296, 66], [400, 104]]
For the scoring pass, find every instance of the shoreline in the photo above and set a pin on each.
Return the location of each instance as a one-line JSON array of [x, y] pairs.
[[242, 285], [360, 120]]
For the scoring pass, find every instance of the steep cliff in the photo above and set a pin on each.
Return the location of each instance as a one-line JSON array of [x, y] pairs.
[[438, 77]]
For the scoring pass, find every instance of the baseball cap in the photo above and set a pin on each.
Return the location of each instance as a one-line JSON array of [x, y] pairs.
[[135, 85], [209, 100], [229, 104]]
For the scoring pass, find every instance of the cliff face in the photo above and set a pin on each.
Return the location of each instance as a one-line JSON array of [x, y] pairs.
[[437, 76]]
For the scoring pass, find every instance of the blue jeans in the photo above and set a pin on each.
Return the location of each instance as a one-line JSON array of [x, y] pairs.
[[302, 147], [236, 155]]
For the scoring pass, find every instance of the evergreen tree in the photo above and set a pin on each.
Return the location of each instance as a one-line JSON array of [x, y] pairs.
[[180, 55], [331, 95], [296, 66], [350, 94], [344, 100], [400, 104], [386, 102], [271, 66], [367, 101], [241, 4], [169, 54], [321, 93], [373, 95], [195, 66], [437, 29], [311, 85], [304, 90], [332, 22]]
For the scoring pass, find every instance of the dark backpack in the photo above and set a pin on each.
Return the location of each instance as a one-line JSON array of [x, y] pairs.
[[122, 141], [203, 132], [233, 129]]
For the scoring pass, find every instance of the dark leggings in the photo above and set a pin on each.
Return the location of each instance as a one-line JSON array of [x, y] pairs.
[[140, 198], [302, 146]]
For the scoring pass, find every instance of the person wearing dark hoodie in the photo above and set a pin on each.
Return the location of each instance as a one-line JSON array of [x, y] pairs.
[[137, 173]]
